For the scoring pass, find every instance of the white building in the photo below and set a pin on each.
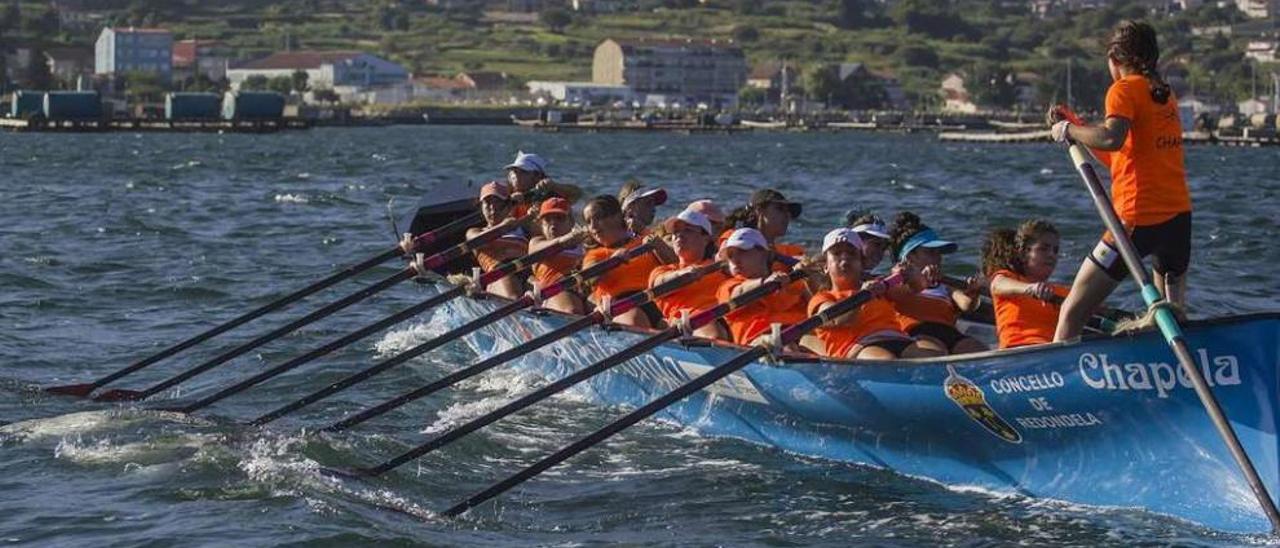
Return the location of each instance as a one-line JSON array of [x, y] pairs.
[[581, 92], [122, 50], [1257, 9], [1265, 51], [955, 96], [336, 70]]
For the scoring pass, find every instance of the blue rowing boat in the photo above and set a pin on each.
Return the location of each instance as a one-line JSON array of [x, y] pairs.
[[1107, 421]]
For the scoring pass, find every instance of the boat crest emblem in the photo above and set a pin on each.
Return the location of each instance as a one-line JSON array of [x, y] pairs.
[[973, 401]]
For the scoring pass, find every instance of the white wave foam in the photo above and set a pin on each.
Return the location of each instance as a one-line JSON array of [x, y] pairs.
[[399, 340], [291, 199], [84, 422], [155, 451]]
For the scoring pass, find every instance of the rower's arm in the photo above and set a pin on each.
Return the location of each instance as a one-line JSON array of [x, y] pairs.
[[1005, 286], [965, 301], [843, 319], [1107, 136]]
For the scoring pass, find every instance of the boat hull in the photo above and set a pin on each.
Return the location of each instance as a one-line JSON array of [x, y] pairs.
[[1107, 421]]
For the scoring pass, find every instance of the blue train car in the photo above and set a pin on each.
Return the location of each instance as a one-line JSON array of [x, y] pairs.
[[252, 105], [192, 106], [72, 105], [26, 103]]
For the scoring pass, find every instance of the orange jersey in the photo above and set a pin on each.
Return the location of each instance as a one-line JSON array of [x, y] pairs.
[[693, 297], [510, 246], [1148, 180], [875, 317], [550, 270], [629, 277], [1023, 320], [790, 250], [746, 324], [933, 305]]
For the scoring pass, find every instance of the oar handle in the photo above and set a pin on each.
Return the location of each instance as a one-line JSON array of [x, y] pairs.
[[839, 308]]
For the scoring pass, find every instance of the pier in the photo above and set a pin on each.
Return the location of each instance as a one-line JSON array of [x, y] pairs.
[[154, 125]]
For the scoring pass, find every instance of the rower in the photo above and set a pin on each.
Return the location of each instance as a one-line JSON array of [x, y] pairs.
[[714, 214], [1019, 264], [691, 239], [930, 315], [639, 205], [1141, 140], [749, 255], [555, 221], [875, 238], [496, 206], [871, 332], [773, 214], [529, 171], [603, 215]]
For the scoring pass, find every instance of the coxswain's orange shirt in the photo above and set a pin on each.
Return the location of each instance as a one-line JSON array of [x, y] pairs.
[[509, 246], [875, 317], [557, 266], [746, 324], [1022, 320], [933, 305], [1148, 179], [693, 297], [630, 276]]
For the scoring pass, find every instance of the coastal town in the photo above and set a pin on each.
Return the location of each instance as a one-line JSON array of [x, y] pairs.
[[593, 63]]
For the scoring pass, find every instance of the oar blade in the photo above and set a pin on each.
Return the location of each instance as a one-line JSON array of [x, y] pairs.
[[81, 390], [360, 474], [120, 394]]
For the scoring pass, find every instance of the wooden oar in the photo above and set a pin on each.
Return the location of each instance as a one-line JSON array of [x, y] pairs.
[[788, 336], [419, 266], [502, 270], [406, 247], [618, 307], [440, 340], [1172, 332], [703, 317]]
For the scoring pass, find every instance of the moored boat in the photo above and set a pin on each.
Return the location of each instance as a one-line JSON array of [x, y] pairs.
[[1108, 421]]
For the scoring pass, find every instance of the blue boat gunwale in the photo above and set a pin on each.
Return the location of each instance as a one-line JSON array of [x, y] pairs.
[[786, 358]]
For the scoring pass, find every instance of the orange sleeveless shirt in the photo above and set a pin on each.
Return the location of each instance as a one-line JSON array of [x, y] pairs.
[[933, 305], [693, 297], [557, 266], [1148, 178], [746, 324], [510, 246], [629, 277], [1023, 320], [876, 317]]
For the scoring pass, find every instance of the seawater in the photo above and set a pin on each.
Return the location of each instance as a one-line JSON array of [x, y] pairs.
[[113, 245]]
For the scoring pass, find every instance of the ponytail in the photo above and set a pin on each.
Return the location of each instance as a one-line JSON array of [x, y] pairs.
[[1133, 44]]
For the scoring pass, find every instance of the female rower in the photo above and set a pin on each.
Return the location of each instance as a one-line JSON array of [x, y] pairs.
[[496, 206], [1019, 264], [749, 255], [1148, 179], [771, 213], [555, 219], [640, 204], [691, 237], [930, 315], [529, 171], [714, 214], [875, 239], [603, 215], [870, 332]]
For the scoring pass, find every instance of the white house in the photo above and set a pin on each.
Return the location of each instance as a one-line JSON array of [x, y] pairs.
[[955, 95], [325, 69], [581, 92]]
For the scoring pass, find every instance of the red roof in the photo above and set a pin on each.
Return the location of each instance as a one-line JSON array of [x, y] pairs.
[[184, 51], [440, 82], [284, 60]]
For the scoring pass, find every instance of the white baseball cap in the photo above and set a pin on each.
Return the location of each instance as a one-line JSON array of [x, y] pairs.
[[745, 238], [842, 236], [875, 228], [528, 162], [689, 217], [658, 194]]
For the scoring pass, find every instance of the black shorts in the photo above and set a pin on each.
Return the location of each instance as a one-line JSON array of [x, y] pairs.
[[947, 334], [1169, 242], [649, 308], [894, 346]]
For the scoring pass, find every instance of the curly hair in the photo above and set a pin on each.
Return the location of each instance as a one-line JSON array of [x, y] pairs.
[[1133, 44], [1006, 249], [905, 225]]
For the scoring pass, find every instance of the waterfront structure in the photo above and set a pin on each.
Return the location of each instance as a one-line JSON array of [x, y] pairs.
[[1263, 51], [121, 50], [775, 78], [581, 93], [672, 70], [1258, 9], [344, 72], [68, 64], [955, 96]]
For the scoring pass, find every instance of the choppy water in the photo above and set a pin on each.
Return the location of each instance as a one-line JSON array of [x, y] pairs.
[[113, 245]]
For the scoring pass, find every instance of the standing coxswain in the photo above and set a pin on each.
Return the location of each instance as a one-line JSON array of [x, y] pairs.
[[1149, 190]]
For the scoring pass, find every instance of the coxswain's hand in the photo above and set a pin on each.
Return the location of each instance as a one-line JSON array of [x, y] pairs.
[[1059, 132], [975, 284], [1053, 115]]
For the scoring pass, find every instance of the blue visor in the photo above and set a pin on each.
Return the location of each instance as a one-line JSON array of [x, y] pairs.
[[926, 238]]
